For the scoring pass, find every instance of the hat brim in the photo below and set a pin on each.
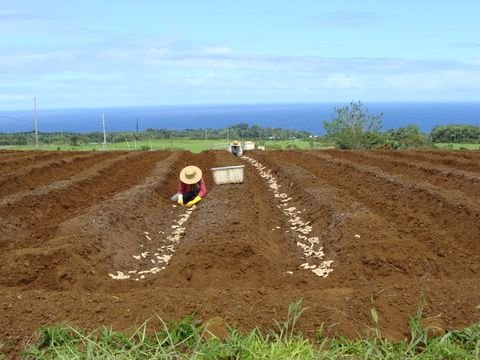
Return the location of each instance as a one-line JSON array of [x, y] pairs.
[[192, 180]]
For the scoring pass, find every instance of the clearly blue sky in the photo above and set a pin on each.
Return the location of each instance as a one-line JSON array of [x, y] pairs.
[[96, 53]]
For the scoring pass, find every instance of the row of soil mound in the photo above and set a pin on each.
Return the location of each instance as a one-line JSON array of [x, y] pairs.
[[93, 238]]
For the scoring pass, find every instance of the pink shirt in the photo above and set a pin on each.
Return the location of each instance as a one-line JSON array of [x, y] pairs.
[[198, 187]]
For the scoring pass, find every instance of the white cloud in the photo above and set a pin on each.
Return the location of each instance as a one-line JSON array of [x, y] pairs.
[[344, 81], [191, 74], [445, 81], [218, 50]]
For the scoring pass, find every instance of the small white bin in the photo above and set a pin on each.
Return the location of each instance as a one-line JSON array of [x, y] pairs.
[[228, 174], [248, 145]]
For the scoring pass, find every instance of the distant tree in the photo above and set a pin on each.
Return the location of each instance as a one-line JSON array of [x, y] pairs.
[[74, 140], [21, 140], [407, 137], [256, 132], [353, 128], [241, 126], [456, 134]]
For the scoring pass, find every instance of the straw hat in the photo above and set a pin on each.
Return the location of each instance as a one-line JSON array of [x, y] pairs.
[[236, 143], [190, 175]]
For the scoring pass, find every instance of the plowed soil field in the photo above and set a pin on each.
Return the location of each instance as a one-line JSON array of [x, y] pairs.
[[90, 238]]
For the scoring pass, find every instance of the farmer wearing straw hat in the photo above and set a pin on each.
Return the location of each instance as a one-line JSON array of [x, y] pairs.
[[236, 148], [191, 188]]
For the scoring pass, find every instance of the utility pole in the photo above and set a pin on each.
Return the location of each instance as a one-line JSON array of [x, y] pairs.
[[206, 139], [36, 121], [135, 138], [228, 135], [127, 142], [104, 134]]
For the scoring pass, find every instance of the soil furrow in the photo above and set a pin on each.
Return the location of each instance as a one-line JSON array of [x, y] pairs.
[[467, 162], [4, 154], [237, 237], [15, 163], [164, 234], [362, 243], [414, 210], [29, 218], [442, 176], [48, 171], [400, 230], [459, 208], [104, 235]]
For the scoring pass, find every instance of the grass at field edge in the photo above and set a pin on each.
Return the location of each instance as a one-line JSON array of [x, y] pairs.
[[187, 339]]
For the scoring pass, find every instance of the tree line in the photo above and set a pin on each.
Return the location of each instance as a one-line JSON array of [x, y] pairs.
[[465, 134], [240, 131], [352, 127]]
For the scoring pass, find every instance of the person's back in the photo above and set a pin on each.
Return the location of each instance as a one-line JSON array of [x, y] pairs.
[[236, 148]]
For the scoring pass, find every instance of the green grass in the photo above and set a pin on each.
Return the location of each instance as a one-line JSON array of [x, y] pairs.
[[456, 146], [195, 146], [192, 145], [186, 340]]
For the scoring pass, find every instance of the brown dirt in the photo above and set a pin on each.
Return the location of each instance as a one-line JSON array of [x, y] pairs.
[[399, 226]]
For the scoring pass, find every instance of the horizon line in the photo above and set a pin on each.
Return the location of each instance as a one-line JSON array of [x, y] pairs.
[[93, 107]]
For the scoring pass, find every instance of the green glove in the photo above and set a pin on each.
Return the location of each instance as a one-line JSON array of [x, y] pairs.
[[194, 201], [180, 199]]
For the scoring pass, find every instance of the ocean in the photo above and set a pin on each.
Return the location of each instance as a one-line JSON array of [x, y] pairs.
[[307, 117]]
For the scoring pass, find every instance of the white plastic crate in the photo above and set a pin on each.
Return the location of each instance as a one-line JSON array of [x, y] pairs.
[[248, 145], [228, 174]]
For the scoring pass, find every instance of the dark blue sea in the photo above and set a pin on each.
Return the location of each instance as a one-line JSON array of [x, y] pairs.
[[307, 117]]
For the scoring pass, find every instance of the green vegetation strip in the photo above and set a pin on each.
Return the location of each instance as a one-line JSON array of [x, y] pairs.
[[454, 146], [195, 146], [187, 340]]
